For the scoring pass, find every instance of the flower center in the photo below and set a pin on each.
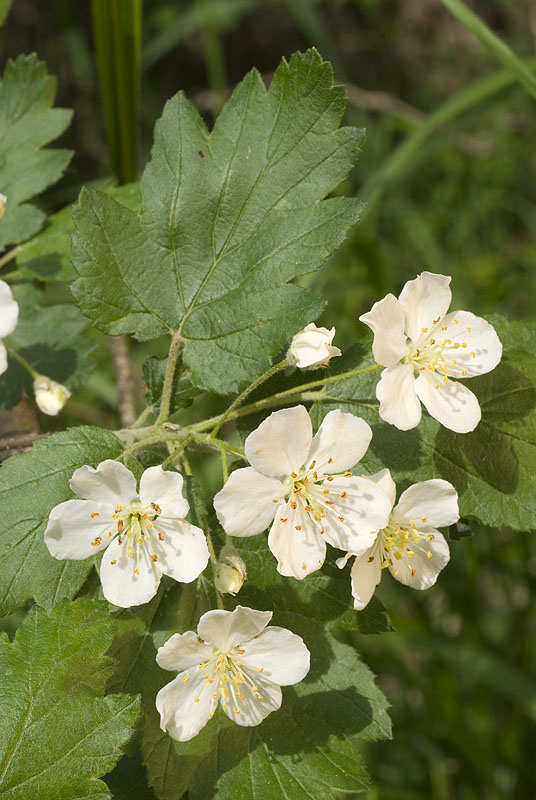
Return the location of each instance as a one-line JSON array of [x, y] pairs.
[[136, 529], [227, 679], [399, 542], [435, 354]]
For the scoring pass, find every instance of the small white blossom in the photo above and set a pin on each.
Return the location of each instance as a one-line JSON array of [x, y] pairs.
[[9, 315], [295, 482], [409, 546], [50, 396], [422, 348], [233, 660], [3, 201], [312, 348], [145, 534], [230, 571]]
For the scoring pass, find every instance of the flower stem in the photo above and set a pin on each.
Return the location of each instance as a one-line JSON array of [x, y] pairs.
[[213, 561], [167, 390], [9, 256], [241, 397], [22, 361]]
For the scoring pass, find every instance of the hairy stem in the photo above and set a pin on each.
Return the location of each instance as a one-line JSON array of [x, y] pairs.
[[167, 390], [22, 361]]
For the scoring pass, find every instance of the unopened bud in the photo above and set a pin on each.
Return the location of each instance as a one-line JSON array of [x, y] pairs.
[[50, 396], [312, 348], [3, 201], [230, 571]]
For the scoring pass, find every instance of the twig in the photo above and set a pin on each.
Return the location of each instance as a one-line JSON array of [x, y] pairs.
[[125, 379]]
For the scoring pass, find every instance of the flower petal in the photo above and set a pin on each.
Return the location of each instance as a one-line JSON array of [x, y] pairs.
[[281, 443], [399, 405], [434, 503], [3, 358], [9, 310], [228, 629], [75, 528], [424, 300], [183, 553], [451, 403], [252, 708], [165, 489], [421, 571], [386, 483], [365, 576], [180, 715], [120, 584], [296, 542], [474, 345], [360, 509], [247, 503], [182, 651], [279, 654], [111, 483], [386, 320], [342, 440]]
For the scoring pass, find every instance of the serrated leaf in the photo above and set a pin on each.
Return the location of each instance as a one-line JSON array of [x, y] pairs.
[[48, 255], [228, 218], [492, 468], [31, 484], [59, 734], [28, 123], [50, 339]]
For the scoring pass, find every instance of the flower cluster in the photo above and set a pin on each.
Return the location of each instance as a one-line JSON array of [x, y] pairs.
[[301, 487]]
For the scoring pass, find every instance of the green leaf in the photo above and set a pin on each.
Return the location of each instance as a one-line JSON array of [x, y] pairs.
[[59, 734], [492, 468], [154, 370], [48, 255], [228, 218], [50, 339], [31, 484], [5, 5], [28, 123]]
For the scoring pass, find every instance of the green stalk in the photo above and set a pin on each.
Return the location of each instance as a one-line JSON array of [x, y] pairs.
[[22, 361], [499, 49], [117, 29]]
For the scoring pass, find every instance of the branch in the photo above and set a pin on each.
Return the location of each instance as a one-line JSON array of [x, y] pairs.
[[125, 379]]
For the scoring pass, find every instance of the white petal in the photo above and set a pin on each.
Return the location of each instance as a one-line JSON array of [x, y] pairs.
[[399, 405], [474, 345], [426, 568], [252, 709], [3, 358], [296, 543], [9, 311], [73, 526], [183, 554], [247, 503], [282, 656], [111, 483], [386, 320], [342, 440], [312, 347], [451, 403], [433, 503], [365, 576], [352, 522], [281, 443], [120, 584], [182, 651], [165, 489], [228, 629], [424, 300], [180, 714], [386, 483]]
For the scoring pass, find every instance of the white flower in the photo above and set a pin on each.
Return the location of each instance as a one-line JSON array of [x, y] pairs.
[[234, 660], [409, 546], [9, 314], [145, 534], [3, 201], [423, 347], [230, 571], [312, 348], [294, 481], [50, 396]]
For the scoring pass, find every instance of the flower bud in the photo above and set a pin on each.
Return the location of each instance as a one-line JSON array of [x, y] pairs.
[[3, 201], [312, 348], [50, 396], [230, 571]]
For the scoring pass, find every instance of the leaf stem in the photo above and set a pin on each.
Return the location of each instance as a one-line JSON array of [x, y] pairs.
[[241, 397], [167, 390], [22, 361], [9, 256]]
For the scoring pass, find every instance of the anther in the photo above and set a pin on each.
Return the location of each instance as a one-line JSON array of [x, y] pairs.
[[341, 519], [347, 474], [119, 508], [424, 330], [119, 540], [473, 354], [437, 320], [95, 514], [456, 321], [325, 491], [196, 699], [150, 525], [260, 669], [156, 508], [330, 461], [329, 502], [185, 679], [109, 534], [136, 570], [464, 373], [113, 562], [298, 527], [293, 504], [284, 519], [330, 478], [344, 494], [424, 519], [275, 501], [240, 650], [413, 572], [160, 536], [154, 558], [428, 554], [370, 559], [312, 464], [293, 474], [96, 541]]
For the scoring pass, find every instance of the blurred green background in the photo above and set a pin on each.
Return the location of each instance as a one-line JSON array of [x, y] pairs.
[[448, 174]]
